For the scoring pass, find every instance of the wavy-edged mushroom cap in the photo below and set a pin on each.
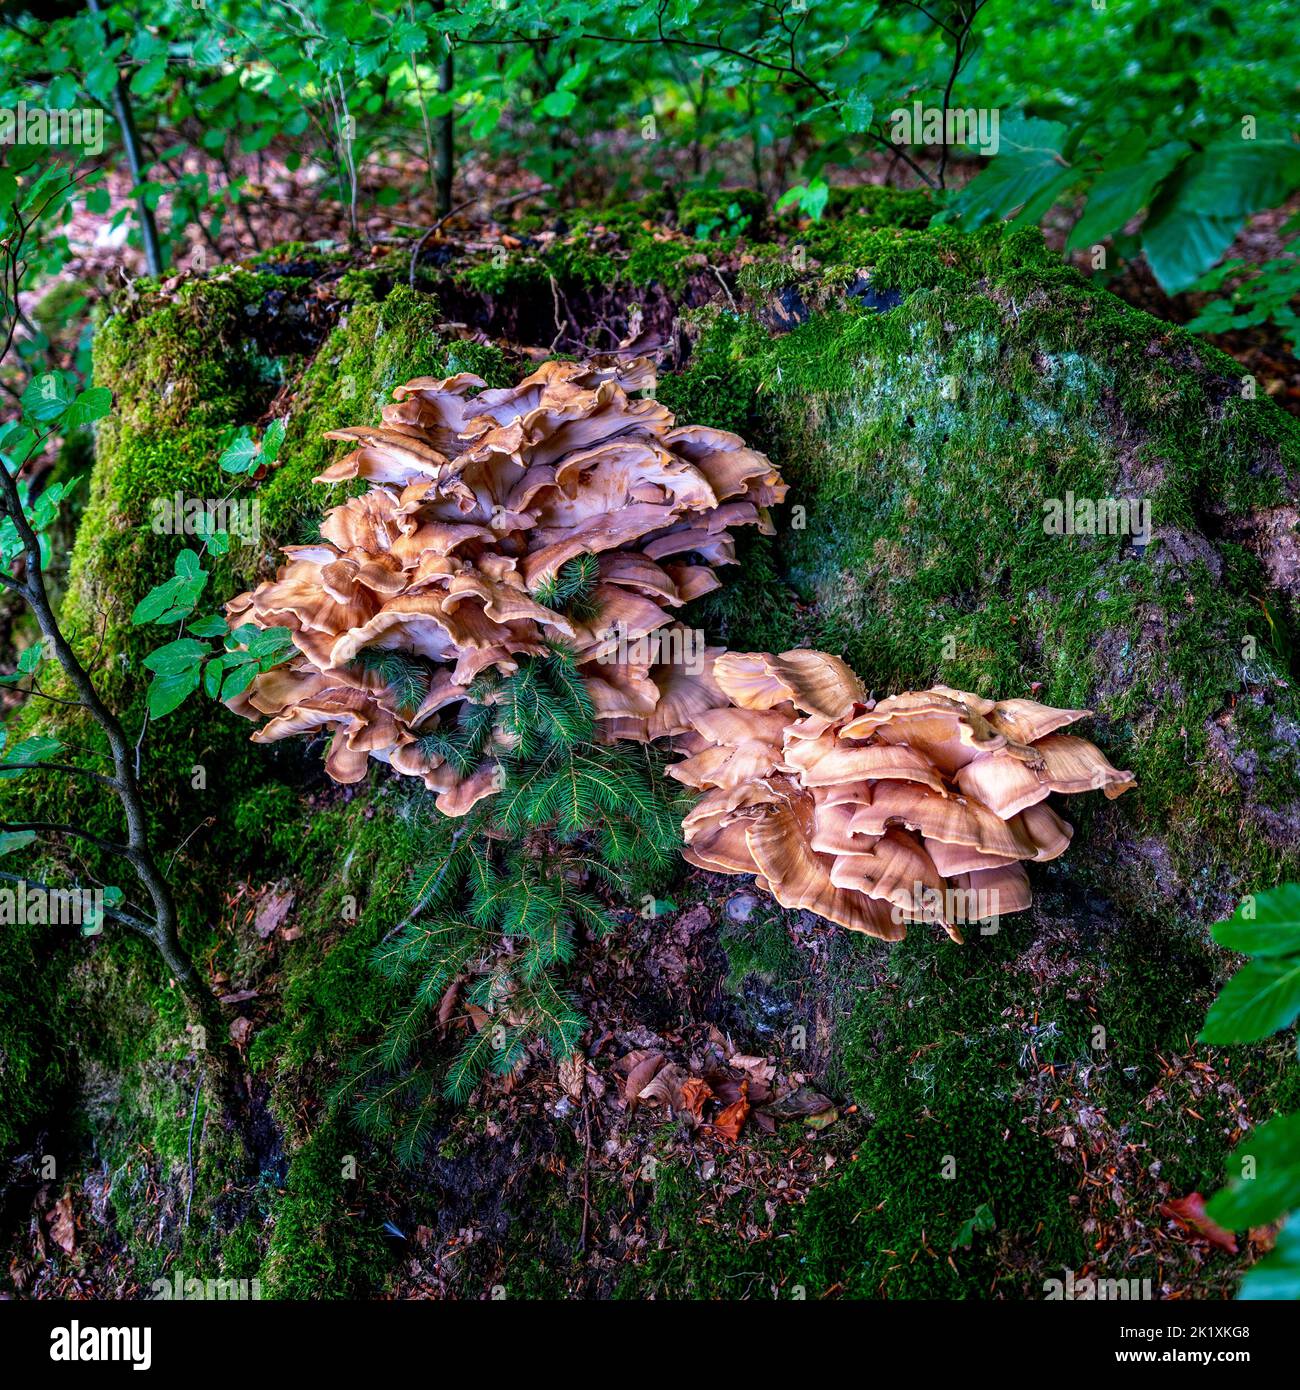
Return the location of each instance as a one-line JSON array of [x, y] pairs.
[[929, 802], [814, 682]]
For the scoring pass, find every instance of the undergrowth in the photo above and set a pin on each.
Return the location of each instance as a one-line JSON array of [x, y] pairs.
[[500, 900]]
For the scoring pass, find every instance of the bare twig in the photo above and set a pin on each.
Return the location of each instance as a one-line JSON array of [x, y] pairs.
[[460, 207]]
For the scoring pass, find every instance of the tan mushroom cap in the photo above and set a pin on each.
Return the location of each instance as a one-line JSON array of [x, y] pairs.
[[1008, 784], [812, 681], [476, 498], [929, 802], [798, 877]]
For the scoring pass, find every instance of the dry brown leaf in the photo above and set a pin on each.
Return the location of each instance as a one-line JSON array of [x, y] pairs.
[[271, 913], [732, 1120], [63, 1227], [572, 1075], [666, 1086], [447, 1004], [695, 1091], [1189, 1212], [641, 1066]]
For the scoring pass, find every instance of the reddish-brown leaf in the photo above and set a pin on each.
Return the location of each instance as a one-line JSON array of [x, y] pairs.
[[1189, 1212]]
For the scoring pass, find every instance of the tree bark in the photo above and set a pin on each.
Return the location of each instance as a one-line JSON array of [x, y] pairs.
[[131, 140], [444, 170]]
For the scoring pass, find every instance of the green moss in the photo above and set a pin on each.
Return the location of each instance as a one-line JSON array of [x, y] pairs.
[[882, 207], [100, 1017], [320, 1246], [712, 212], [922, 445], [761, 948]]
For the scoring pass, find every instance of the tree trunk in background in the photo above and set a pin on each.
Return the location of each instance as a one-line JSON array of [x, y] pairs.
[[445, 161], [131, 140]]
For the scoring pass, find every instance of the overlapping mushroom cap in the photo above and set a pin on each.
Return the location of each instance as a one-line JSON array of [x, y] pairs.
[[921, 807], [477, 499]]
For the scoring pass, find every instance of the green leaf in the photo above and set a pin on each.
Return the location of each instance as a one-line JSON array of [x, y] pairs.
[[101, 79], [30, 659], [47, 396], [240, 454], [1121, 191], [982, 1222], [175, 656], [1024, 179], [90, 405], [1259, 999], [1272, 1154], [1199, 210], [238, 680], [557, 104], [167, 690], [212, 674], [859, 112], [160, 600], [574, 76], [214, 625], [810, 198], [272, 440], [150, 76], [1277, 1276], [37, 749], [271, 642], [11, 840], [1265, 924]]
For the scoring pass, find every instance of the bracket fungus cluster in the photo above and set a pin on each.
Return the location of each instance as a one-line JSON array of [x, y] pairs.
[[921, 807], [476, 501]]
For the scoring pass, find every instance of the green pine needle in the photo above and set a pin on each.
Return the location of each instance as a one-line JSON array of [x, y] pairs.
[[500, 913]]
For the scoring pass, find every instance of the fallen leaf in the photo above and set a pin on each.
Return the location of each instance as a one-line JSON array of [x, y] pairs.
[[823, 1119], [63, 1228], [447, 1005], [271, 913], [695, 1091], [666, 1086], [1189, 1212], [572, 1075], [641, 1067], [797, 1104], [732, 1120]]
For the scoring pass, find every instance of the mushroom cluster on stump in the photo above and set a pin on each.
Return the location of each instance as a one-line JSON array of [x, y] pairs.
[[921, 807], [476, 501]]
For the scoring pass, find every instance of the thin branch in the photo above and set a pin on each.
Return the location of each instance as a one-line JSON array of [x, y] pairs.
[[58, 767], [53, 827], [116, 914]]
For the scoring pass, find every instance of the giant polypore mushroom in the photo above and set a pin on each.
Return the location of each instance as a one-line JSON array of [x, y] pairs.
[[921, 807], [476, 500]]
